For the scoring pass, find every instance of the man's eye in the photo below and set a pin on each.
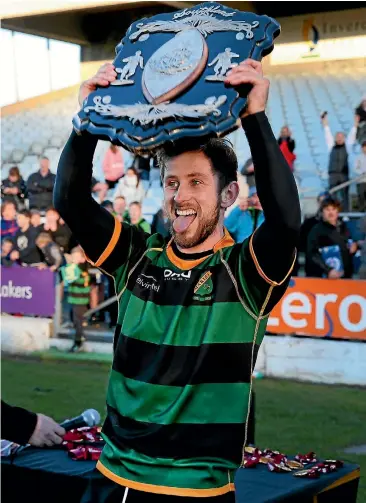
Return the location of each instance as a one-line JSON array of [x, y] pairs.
[[196, 182], [172, 184]]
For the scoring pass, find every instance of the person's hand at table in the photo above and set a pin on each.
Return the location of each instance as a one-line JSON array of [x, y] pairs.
[[14, 255], [47, 432]]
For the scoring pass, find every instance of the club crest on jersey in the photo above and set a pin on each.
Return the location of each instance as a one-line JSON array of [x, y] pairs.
[[203, 290]]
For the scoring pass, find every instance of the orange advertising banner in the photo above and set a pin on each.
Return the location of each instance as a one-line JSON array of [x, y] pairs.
[[322, 308]]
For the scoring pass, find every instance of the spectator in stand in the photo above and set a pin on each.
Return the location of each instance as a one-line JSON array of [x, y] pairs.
[[305, 230], [9, 226], [119, 208], [52, 255], [339, 148], [99, 189], [248, 172], [113, 166], [360, 114], [246, 217], [40, 186], [142, 165], [77, 280], [362, 270], [287, 146], [25, 250], [160, 223], [130, 187], [60, 234], [136, 218], [107, 205], [6, 249], [13, 188], [329, 253], [36, 220], [360, 169]]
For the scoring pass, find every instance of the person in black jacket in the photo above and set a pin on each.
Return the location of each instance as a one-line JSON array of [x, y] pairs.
[[160, 224], [329, 232], [26, 250], [40, 186], [25, 427], [13, 188]]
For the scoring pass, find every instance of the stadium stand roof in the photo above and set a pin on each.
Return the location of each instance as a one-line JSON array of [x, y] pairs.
[[88, 21]]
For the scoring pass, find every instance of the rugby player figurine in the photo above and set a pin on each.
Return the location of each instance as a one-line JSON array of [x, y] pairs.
[[193, 308]]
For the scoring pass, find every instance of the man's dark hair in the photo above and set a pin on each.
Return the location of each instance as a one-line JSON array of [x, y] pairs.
[[34, 211], [120, 197], [363, 144], [26, 213], [136, 203], [219, 151]]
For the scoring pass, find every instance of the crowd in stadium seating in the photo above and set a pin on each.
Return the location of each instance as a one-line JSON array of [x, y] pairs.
[[33, 234]]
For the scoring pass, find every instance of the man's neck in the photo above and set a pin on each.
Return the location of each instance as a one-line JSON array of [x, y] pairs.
[[44, 172], [208, 244]]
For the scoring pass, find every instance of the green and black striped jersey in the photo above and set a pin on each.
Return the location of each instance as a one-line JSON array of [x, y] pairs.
[[186, 342]]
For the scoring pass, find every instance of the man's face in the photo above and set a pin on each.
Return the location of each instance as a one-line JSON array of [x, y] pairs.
[[44, 164], [13, 178], [52, 217], [340, 139], [9, 212], [119, 206], [243, 203], [191, 198], [135, 213], [77, 257], [22, 221], [330, 214]]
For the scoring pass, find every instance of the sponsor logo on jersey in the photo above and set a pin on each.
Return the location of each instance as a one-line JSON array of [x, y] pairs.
[[148, 282], [180, 276]]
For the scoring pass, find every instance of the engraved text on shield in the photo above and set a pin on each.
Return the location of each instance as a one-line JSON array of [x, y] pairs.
[[174, 66]]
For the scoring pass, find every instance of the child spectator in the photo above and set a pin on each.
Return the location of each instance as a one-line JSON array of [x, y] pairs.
[[51, 252], [36, 220], [60, 234], [25, 249], [136, 217], [6, 249], [9, 226], [113, 166], [13, 188], [77, 281], [160, 223], [130, 187], [107, 205], [287, 146]]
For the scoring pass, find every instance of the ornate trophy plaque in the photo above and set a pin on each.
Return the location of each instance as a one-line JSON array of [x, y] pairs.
[[170, 77]]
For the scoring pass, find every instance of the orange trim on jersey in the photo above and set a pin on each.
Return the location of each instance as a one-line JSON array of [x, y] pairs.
[[184, 264], [260, 270], [171, 491], [111, 245]]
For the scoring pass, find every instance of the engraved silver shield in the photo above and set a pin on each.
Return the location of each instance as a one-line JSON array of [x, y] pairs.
[[174, 66]]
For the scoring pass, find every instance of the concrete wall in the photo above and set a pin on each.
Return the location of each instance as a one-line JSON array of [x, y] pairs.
[[315, 360]]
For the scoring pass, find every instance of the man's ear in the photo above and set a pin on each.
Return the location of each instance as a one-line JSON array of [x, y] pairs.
[[229, 194]]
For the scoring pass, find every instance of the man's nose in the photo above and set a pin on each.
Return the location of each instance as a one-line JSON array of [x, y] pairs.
[[181, 194]]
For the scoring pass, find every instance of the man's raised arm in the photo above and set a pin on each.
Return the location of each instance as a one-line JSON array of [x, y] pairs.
[[274, 243], [96, 230]]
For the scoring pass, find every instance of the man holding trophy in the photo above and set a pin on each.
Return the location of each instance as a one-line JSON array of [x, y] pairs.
[[192, 309]]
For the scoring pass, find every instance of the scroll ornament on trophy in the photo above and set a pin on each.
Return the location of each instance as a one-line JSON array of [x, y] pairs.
[[170, 77]]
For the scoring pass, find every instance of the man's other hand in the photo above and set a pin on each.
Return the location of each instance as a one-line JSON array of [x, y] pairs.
[[104, 76], [250, 72], [47, 432]]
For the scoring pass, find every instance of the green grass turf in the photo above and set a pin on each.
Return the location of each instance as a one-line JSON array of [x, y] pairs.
[[290, 416]]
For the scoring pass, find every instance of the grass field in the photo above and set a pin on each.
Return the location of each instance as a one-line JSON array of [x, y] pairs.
[[291, 417]]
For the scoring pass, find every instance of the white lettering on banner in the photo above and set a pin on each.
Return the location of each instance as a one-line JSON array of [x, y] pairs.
[[321, 300], [344, 313], [288, 309], [16, 292]]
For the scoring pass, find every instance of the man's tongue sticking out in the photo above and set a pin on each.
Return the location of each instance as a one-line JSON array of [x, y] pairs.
[[182, 223]]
